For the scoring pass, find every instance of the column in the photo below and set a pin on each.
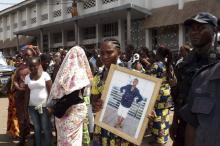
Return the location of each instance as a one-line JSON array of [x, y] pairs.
[[38, 13], [148, 37], [180, 4], [28, 17], [63, 9], [128, 26], [41, 40], [50, 14], [148, 4], [49, 41], [98, 34], [121, 34], [19, 20], [17, 41], [1, 33], [80, 35], [98, 5], [4, 27], [181, 35], [11, 26], [76, 32], [63, 38]]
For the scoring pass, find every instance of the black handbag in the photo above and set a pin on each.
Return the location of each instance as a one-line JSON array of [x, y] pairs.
[[61, 106]]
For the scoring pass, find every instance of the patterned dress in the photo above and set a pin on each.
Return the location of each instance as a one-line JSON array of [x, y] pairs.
[[101, 136], [12, 123], [70, 126], [160, 127], [21, 102], [86, 136]]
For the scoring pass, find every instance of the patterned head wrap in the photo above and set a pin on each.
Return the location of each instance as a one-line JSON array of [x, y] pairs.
[[34, 49], [74, 74]]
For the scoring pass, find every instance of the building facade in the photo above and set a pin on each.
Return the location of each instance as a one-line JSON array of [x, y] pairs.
[[50, 25]]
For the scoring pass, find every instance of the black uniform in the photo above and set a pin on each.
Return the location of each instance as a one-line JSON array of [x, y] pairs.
[[203, 108], [185, 72]]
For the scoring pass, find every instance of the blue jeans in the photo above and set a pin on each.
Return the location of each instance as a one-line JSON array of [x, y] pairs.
[[41, 122]]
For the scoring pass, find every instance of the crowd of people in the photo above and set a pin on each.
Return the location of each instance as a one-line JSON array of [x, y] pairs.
[[61, 91]]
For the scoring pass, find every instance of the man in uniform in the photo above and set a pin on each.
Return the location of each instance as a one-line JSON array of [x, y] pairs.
[[203, 109], [201, 32]]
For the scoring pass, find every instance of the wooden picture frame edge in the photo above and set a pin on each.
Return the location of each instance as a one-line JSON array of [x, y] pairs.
[[157, 82]]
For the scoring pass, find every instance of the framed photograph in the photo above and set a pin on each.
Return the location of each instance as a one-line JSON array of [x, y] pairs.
[[129, 96]]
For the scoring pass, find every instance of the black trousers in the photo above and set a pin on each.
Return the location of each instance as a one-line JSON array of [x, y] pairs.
[[180, 134]]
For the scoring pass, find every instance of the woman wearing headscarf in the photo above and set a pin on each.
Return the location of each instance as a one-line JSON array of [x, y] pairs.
[[74, 74], [19, 89]]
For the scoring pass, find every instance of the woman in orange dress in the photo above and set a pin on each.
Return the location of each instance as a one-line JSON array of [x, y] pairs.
[[12, 123]]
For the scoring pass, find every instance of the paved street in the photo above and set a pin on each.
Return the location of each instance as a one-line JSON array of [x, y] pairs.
[[6, 141]]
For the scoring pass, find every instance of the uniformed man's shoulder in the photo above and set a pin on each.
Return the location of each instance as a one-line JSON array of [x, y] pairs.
[[205, 68], [214, 55]]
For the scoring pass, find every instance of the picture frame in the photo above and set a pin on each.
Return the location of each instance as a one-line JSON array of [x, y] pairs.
[[128, 98]]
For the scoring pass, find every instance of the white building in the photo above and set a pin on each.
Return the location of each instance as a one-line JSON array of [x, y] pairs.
[[139, 22]]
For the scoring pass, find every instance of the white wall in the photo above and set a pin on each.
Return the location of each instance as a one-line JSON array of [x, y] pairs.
[[23, 15], [140, 3], [189, 0], [162, 3], [44, 9]]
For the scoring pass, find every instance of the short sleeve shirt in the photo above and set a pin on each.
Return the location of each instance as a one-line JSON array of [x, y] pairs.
[[38, 89]]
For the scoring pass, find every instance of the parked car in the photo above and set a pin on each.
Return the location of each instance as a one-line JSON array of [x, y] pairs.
[[5, 71]]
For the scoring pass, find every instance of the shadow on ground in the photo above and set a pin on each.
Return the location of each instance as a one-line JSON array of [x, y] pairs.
[[5, 140]]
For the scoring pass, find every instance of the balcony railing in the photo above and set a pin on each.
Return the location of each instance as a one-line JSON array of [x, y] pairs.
[[33, 20], [89, 4], [57, 13]]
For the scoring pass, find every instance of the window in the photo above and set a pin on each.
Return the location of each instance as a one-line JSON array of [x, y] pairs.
[[167, 36], [110, 29], [57, 37], [70, 35], [90, 33]]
